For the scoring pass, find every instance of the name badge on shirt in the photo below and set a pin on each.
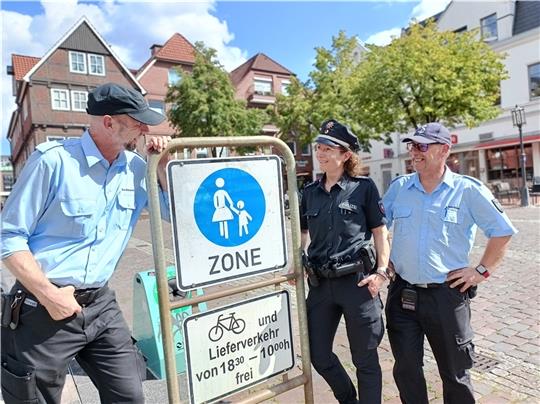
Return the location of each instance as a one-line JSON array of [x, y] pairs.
[[451, 214], [347, 207]]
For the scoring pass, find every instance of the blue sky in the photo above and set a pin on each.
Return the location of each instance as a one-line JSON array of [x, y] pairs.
[[288, 32]]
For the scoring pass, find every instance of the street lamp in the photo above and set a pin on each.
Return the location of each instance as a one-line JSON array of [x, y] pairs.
[[518, 119]]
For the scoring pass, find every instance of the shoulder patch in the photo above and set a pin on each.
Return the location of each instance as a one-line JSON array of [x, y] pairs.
[[43, 147], [497, 205], [473, 179]]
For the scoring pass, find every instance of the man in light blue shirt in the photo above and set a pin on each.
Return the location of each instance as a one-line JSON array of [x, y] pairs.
[[435, 214], [64, 228]]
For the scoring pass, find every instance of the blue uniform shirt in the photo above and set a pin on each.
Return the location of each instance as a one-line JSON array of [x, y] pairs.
[[434, 233], [74, 211]]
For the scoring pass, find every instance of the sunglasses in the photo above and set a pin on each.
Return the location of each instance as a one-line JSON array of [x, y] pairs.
[[422, 147]]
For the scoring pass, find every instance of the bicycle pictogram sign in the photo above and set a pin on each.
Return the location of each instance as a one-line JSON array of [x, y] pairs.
[[229, 323]]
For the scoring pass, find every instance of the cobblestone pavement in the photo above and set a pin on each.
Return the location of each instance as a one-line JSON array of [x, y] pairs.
[[506, 321]]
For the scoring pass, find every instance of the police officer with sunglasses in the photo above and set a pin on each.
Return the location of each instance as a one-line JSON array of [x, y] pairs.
[[341, 214], [435, 213]]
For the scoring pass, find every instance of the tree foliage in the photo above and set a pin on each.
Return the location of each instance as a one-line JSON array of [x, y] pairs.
[[327, 93], [427, 76], [421, 77], [203, 102]]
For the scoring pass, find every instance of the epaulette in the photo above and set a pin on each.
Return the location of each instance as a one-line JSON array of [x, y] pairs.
[[311, 184], [400, 177], [473, 179], [44, 147], [359, 177]]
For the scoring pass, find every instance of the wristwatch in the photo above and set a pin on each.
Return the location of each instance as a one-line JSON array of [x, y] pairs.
[[482, 270], [382, 271]]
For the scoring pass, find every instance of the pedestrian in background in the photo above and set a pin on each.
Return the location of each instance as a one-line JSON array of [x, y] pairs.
[[435, 213], [64, 227], [340, 215]]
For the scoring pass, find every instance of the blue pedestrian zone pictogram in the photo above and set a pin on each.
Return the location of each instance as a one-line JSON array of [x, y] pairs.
[[229, 207]]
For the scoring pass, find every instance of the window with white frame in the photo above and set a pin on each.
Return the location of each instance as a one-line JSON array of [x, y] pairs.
[[534, 80], [285, 87], [77, 62], [59, 99], [174, 76], [262, 86], [157, 105], [96, 65], [488, 27], [78, 100]]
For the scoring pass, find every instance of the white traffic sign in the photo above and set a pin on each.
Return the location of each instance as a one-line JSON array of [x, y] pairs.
[[227, 218], [233, 347]]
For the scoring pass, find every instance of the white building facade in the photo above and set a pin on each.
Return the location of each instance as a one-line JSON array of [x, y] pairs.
[[490, 151]]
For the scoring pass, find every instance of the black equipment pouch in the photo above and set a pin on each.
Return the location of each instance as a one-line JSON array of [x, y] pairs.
[[349, 268], [472, 291], [11, 308], [313, 279], [409, 299], [368, 255]]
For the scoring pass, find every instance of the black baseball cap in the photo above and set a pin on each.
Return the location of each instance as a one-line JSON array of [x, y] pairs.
[[335, 134], [432, 132], [114, 99]]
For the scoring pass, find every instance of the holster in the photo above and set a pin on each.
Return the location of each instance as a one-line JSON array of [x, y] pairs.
[[368, 256], [313, 278], [11, 308]]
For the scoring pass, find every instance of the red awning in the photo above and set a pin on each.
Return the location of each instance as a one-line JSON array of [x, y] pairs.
[[507, 142]]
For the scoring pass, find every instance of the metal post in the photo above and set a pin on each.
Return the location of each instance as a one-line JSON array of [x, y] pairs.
[[518, 119], [524, 189]]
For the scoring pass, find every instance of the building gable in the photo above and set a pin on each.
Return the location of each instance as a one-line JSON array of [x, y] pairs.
[[84, 39]]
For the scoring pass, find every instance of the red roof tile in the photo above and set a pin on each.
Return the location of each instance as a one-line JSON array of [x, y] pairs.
[[22, 65], [258, 62], [177, 49]]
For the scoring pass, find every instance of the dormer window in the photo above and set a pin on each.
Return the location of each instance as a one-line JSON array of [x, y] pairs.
[[488, 28]]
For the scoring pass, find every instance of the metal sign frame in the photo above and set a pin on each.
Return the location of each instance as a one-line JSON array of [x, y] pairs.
[[195, 317], [185, 286], [158, 246]]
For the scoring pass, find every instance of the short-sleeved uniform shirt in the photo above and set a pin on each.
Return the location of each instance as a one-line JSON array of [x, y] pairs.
[[433, 233], [74, 211], [339, 220]]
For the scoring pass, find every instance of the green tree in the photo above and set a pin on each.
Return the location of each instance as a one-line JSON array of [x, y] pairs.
[[326, 94], [426, 76], [203, 102]]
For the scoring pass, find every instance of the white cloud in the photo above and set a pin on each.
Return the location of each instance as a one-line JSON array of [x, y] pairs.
[[423, 10], [384, 37], [130, 27], [428, 8]]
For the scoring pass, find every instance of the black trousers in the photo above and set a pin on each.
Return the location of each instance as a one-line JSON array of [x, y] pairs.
[[326, 304], [442, 315], [35, 356]]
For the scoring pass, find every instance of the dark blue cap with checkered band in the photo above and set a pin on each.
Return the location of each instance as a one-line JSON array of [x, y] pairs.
[[335, 134]]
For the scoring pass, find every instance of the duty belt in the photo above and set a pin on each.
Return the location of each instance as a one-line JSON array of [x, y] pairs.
[[330, 271], [421, 285]]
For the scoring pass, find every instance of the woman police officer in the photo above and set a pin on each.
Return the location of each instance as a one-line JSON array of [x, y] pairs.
[[339, 214]]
